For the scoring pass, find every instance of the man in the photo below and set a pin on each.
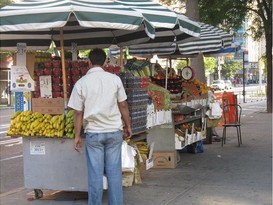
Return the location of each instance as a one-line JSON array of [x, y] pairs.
[[99, 101]]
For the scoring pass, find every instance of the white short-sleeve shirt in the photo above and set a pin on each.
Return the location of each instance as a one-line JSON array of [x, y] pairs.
[[97, 94]]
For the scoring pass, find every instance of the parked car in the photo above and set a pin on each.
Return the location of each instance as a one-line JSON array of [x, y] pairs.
[[218, 85], [228, 84]]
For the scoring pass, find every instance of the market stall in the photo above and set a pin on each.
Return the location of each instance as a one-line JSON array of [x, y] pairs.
[[47, 128], [176, 119]]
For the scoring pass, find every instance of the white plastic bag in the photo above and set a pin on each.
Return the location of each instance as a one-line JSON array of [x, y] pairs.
[[216, 109], [127, 157]]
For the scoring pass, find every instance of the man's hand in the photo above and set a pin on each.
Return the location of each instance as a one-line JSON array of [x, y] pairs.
[[78, 143], [78, 115], [127, 132], [123, 108]]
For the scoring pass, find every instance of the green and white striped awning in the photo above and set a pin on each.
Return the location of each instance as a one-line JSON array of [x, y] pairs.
[[168, 24], [86, 23], [162, 17], [212, 39]]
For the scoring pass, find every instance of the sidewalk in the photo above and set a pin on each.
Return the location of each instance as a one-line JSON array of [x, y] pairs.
[[220, 176]]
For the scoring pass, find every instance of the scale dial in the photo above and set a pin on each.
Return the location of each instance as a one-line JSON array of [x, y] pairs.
[[187, 73]]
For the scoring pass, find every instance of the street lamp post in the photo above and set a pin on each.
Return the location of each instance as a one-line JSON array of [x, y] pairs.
[[245, 60], [244, 92]]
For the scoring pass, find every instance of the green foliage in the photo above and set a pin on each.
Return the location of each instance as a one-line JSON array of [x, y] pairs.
[[5, 54], [84, 53], [210, 64], [260, 13], [5, 3], [230, 67], [227, 13], [181, 64]]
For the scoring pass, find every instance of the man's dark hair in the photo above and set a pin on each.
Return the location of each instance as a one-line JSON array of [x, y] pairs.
[[97, 56]]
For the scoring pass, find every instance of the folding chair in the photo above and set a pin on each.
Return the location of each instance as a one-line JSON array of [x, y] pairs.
[[232, 118]]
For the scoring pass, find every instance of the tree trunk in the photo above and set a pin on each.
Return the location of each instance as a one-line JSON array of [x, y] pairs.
[[192, 10], [197, 63]]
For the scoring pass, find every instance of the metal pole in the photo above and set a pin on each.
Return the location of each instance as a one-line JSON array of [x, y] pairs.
[[244, 92]]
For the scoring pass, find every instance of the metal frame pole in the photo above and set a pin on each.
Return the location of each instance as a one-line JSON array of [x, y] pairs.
[[244, 91]]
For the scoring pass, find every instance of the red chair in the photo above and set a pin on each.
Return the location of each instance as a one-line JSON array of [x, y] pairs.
[[232, 118]]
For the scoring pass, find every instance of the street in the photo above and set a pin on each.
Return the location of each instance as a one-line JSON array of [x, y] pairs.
[[11, 155], [253, 93]]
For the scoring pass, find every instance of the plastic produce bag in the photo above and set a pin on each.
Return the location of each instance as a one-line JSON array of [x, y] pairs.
[[215, 111], [128, 154]]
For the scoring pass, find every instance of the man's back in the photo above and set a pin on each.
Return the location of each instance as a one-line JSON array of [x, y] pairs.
[[100, 92]]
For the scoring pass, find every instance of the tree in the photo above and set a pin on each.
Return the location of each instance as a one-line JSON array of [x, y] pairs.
[[5, 2], [192, 11], [230, 14], [230, 67], [210, 64], [181, 64]]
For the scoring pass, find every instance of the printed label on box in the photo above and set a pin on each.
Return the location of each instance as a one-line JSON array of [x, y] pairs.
[[37, 148], [149, 163]]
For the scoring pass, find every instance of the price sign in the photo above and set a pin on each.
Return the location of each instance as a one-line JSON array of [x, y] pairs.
[[74, 50], [37, 148], [21, 48]]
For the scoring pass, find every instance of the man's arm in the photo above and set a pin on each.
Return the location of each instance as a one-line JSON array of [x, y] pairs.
[[123, 108], [78, 115]]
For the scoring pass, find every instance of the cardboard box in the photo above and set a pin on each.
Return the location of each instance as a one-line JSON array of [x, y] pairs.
[[48, 105], [48, 110], [165, 159]]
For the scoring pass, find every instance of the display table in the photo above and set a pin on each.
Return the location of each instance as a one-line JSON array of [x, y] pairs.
[[52, 163]]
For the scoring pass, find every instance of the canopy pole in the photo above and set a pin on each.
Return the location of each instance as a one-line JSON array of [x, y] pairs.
[[171, 66], [121, 57], [63, 68]]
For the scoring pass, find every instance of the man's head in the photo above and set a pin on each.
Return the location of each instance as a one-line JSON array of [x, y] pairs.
[[97, 56]]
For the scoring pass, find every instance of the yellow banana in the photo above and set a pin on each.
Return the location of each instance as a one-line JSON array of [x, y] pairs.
[[15, 114], [54, 119]]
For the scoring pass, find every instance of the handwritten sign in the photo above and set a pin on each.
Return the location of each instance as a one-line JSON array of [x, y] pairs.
[[45, 86]]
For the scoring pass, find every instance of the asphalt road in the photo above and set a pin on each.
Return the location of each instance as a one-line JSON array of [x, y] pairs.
[[11, 156]]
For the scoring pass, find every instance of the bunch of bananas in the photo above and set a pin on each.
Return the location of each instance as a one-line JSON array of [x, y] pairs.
[[69, 124], [28, 123], [143, 148]]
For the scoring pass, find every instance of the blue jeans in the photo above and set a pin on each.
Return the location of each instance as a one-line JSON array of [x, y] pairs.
[[103, 151]]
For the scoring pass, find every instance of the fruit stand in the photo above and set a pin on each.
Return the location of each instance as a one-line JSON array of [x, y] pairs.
[[47, 128], [154, 110], [48, 132]]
